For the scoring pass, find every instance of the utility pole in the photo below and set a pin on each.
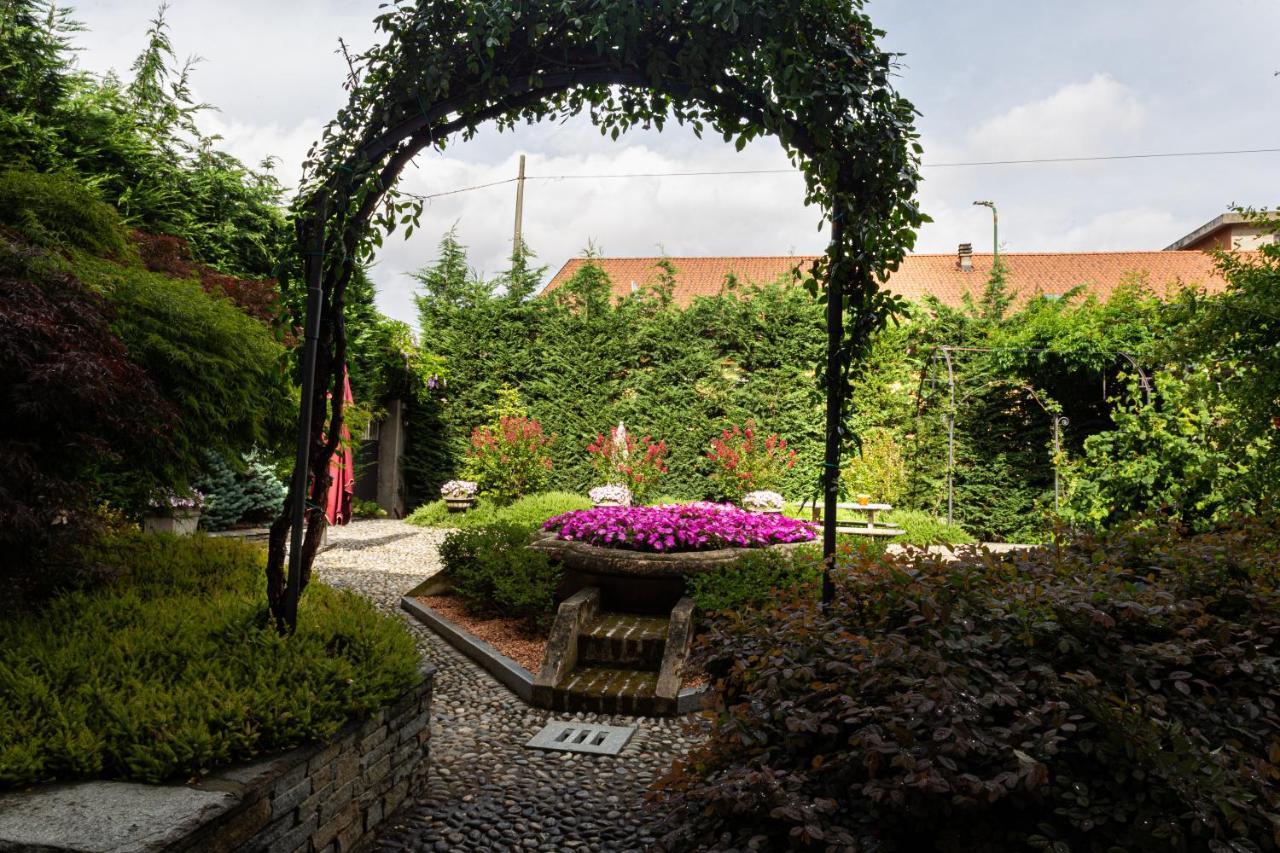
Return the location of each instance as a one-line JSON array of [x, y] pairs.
[[517, 244], [995, 230]]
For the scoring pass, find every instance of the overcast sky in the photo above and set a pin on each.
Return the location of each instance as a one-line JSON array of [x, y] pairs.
[[993, 80]]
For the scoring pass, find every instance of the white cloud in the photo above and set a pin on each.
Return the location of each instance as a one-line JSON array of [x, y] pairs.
[[1120, 230], [253, 143], [1080, 118], [725, 215], [272, 69]]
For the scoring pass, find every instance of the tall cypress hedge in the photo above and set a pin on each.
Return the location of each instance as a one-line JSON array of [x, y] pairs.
[[582, 361]]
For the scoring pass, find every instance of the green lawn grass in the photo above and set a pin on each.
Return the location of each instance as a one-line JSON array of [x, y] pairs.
[[529, 511]]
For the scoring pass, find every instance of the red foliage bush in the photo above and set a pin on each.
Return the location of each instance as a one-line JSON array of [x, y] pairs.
[[71, 403], [746, 460], [637, 463], [510, 461], [1119, 693]]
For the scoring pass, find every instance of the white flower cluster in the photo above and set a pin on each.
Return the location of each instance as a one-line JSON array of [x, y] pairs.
[[610, 495], [762, 500], [172, 500], [459, 490]]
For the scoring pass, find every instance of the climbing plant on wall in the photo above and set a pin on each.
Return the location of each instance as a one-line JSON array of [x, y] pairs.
[[810, 73]]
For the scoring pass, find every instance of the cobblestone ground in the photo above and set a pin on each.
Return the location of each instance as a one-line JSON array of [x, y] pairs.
[[487, 791]]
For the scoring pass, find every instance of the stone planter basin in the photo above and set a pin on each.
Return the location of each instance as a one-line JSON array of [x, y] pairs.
[[635, 581], [459, 504], [621, 563]]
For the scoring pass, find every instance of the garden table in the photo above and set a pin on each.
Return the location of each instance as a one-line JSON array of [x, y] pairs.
[[867, 528]]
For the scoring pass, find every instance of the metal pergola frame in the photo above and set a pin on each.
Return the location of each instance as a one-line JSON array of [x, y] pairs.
[[943, 353]]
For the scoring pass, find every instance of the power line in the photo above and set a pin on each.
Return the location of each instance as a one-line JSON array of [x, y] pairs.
[[953, 165], [459, 190], [662, 174], [1103, 157]]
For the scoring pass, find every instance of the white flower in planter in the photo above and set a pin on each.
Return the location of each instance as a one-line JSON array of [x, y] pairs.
[[762, 500], [459, 490], [171, 512], [619, 495], [170, 503]]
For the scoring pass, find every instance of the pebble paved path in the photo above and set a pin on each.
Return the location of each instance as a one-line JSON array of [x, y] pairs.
[[487, 791]]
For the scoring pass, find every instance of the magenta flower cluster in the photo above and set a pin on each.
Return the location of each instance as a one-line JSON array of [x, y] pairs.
[[678, 527]]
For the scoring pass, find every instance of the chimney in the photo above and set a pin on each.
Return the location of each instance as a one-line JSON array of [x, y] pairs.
[[964, 257]]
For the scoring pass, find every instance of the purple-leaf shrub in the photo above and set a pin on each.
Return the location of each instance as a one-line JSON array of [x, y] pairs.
[[677, 528]]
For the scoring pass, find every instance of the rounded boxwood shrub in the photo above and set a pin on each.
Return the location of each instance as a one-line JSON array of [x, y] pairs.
[[1112, 694], [495, 573]]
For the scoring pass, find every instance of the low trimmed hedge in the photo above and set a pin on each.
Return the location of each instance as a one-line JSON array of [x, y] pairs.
[[755, 581], [496, 574], [175, 668], [1119, 693]]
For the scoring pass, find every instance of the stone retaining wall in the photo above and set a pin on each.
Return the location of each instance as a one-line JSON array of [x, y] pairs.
[[318, 799]]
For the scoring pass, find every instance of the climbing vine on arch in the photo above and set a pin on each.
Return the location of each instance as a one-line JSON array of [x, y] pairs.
[[809, 72]]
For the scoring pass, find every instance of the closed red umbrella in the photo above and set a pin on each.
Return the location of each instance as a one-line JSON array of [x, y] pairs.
[[342, 474]]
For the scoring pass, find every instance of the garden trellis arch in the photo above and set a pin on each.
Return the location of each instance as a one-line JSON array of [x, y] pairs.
[[809, 72]]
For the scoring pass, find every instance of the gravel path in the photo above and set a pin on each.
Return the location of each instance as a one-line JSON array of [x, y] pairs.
[[487, 791]]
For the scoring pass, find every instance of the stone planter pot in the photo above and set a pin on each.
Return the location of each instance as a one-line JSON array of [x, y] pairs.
[[763, 510], [459, 504], [598, 504], [642, 581], [180, 523]]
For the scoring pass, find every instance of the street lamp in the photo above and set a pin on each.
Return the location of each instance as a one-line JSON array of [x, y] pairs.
[[995, 230]]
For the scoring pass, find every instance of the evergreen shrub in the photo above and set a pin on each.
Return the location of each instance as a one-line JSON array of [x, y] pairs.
[[58, 212], [254, 494], [757, 580], [495, 573], [220, 369], [1114, 693], [175, 667]]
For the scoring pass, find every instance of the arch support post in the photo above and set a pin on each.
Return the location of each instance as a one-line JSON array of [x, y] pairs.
[[835, 407], [313, 267]]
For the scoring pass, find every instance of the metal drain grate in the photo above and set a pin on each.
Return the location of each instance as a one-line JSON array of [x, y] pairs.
[[567, 736]]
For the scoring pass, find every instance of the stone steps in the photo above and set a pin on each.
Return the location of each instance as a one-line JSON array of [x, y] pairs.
[[624, 640], [606, 690], [611, 662]]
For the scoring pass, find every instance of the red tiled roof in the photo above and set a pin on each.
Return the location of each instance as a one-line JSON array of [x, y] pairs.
[[1052, 273]]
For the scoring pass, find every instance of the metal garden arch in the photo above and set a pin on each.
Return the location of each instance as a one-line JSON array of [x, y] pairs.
[[808, 72]]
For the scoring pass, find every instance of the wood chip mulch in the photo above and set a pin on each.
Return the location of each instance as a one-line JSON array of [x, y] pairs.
[[511, 636], [507, 635]]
